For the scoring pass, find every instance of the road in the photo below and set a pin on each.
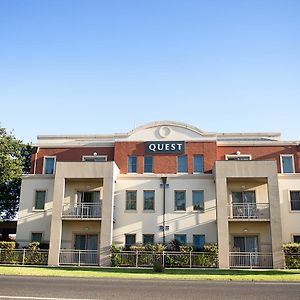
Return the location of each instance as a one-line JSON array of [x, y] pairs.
[[37, 288]]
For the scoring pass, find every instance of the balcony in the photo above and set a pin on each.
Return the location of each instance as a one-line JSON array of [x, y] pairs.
[[249, 211], [82, 211]]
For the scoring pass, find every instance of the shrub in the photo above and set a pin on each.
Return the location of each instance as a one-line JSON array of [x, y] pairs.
[[115, 259], [292, 255], [158, 267], [8, 245], [174, 245]]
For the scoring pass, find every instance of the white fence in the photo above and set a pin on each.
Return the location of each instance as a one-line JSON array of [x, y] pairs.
[[250, 260], [91, 210], [250, 211], [79, 257], [24, 257]]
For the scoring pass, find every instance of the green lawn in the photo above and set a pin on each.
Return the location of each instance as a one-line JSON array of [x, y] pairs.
[[186, 274]]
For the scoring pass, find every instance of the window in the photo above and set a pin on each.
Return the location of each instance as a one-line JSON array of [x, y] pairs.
[[287, 163], [198, 241], [148, 164], [130, 200], [295, 200], [198, 200], [86, 242], [182, 164], [296, 238], [198, 163], [238, 157], [180, 238], [94, 158], [148, 239], [129, 240], [40, 197], [132, 164], [37, 237], [49, 164], [149, 200], [179, 200]]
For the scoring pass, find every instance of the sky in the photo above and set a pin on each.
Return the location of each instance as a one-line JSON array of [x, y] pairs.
[[101, 67]]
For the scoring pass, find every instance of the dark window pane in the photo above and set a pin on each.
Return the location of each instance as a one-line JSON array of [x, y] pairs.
[[148, 164], [180, 238], [129, 240], [182, 164], [49, 165], [131, 200], [149, 200], [296, 238], [132, 164], [287, 164], [179, 200], [295, 200], [36, 236], [199, 241], [198, 163], [40, 199], [198, 200], [148, 239]]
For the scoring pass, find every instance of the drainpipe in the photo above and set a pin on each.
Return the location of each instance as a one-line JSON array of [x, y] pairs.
[[164, 181], [35, 159]]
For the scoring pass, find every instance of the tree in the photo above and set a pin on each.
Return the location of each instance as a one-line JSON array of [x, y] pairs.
[[14, 161]]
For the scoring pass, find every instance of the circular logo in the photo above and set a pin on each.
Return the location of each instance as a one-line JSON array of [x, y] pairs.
[[164, 131]]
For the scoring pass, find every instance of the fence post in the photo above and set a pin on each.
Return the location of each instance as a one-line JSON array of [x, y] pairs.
[[23, 258], [136, 259], [250, 260], [79, 258], [163, 258], [190, 259]]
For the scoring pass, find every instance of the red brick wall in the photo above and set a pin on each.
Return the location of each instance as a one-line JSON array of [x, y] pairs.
[[263, 153], [68, 154], [164, 163]]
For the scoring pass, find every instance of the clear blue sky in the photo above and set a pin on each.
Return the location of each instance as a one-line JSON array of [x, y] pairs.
[[86, 66]]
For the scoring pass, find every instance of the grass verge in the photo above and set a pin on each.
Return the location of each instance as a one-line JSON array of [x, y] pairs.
[[180, 274]]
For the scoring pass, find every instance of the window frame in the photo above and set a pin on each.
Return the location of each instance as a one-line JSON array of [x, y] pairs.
[[175, 206], [152, 159], [290, 200], [293, 163], [136, 164], [127, 235], [194, 166], [37, 232], [183, 235], [148, 235], [44, 164], [149, 209], [186, 164], [34, 201], [203, 206], [126, 193]]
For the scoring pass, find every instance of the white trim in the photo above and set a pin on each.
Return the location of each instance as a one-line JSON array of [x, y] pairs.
[[227, 156], [104, 157], [293, 162], [44, 165]]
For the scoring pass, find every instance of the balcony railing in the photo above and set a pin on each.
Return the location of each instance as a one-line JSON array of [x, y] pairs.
[[82, 211], [250, 260], [250, 211], [79, 257]]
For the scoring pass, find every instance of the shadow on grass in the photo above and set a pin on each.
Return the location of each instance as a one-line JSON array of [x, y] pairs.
[[213, 272]]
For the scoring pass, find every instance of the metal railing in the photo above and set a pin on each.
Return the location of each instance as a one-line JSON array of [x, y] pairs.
[[79, 257], [250, 260], [250, 211], [166, 258], [23, 257], [84, 211]]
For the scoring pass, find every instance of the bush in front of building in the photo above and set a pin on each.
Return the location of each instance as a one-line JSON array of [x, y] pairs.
[[292, 255], [8, 245]]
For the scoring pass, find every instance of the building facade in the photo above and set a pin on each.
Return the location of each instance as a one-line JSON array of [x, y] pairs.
[[162, 181]]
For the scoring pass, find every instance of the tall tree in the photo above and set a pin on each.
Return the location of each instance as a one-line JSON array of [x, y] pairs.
[[14, 161]]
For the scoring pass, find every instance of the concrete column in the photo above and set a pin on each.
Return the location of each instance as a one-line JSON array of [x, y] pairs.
[[275, 222], [107, 221], [56, 221], [222, 222]]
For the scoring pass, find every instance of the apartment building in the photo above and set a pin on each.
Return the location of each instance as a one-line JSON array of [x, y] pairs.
[[162, 181]]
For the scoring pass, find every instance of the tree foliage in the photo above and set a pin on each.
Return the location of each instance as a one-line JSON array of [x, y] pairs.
[[15, 159]]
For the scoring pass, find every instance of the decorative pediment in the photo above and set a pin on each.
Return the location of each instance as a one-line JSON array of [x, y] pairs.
[[168, 130]]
